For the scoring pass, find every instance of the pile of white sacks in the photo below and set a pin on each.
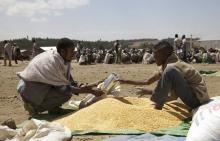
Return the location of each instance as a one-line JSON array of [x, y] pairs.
[[206, 122], [36, 130]]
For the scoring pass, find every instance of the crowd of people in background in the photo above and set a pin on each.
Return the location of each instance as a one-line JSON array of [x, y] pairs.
[[110, 56], [195, 55], [119, 54]]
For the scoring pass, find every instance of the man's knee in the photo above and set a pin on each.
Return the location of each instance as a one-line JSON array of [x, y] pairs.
[[52, 102], [63, 90], [62, 93], [173, 73]]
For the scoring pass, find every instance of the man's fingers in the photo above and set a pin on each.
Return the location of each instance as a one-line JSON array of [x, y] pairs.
[[140, 91], [97, 92], [81, 84]]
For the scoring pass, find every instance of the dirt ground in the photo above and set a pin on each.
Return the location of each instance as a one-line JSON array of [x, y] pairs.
[[11, 105]]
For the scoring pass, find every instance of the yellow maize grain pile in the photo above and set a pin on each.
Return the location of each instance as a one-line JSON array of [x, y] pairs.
[[125, 113]]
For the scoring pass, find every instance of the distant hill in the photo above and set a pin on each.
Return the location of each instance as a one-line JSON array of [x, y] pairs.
[[24, 43]]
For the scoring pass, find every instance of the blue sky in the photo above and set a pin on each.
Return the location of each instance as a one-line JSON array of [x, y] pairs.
[[109, 19]]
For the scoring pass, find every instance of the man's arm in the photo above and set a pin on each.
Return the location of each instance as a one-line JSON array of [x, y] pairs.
[[146, 91], [73, 83], [149, 81], [171, 98], [94, 84], [77, 84], [159, 106], [91, 90]]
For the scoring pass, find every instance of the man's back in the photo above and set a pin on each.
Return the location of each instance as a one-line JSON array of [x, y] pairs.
[[193, 78], [177, 43], [48, 67], [116, 46]]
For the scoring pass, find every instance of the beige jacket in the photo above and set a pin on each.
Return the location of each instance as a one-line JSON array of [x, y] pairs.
[[191, 75]]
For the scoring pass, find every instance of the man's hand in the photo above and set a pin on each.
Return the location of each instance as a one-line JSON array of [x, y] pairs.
[[158, 106], [97, 92], [143, 91], [87, 89], [121, 80], [91, 85], [81, 84], [134, 82], [85, 86]]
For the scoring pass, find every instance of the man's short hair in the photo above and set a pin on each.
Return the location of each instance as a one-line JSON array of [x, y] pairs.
[[162, 45], [64, 43], [184, 36], [176, 35]]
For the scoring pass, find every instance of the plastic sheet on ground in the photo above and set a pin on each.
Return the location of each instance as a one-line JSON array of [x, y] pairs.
[[210, 73], [179, 130], [146, 137]]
